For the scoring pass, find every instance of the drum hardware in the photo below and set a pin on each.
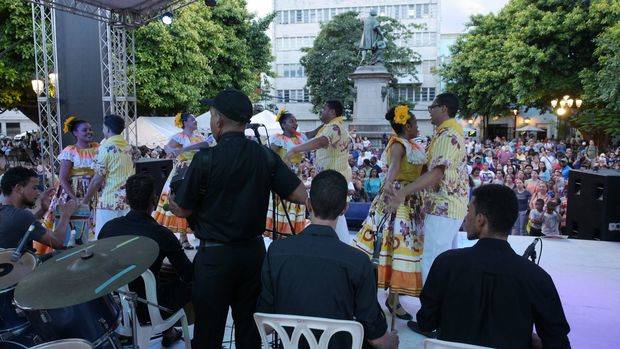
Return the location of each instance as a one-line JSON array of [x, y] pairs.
[[90, 271], [133, 299]]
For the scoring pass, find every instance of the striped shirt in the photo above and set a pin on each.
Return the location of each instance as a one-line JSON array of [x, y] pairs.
[[336, 155], [114, 162], [447, 148]]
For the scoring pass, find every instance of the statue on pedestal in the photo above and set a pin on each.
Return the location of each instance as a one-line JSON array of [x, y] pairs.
[[372, 41]]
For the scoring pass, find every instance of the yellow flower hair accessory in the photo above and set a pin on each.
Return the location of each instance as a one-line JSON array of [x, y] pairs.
[[401, 114], [280, 114], [67, 124], [178, 120]]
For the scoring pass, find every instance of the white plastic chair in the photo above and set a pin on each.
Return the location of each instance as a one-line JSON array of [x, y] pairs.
[[157, 325], [437, 344], [303, 325]]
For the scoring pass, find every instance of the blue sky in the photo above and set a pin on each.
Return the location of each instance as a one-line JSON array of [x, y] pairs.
[[455, 13]]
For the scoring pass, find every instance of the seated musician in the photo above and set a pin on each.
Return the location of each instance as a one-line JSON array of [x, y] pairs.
[[337, 282], [21, 189], [173, 295]]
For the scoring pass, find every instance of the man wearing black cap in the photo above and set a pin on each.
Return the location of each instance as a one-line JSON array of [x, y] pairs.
[[224, 195]]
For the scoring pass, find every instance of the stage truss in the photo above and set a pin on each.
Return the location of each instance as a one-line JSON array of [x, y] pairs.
[[46, 63], [118, 75], [117, 53]]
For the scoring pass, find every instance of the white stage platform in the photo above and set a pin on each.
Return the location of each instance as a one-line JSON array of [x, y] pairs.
[[587, 276]]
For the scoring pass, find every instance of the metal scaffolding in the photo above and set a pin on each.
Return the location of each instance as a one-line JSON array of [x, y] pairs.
[[118, 75], [46, 63]]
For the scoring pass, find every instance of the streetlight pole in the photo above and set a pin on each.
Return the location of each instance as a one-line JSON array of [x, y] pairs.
[[565, 109]]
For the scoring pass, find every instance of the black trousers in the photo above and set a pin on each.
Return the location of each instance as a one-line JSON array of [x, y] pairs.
[[227, 276]]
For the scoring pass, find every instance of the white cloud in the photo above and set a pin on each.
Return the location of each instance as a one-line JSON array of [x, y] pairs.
[[455, 13], [260, 7]]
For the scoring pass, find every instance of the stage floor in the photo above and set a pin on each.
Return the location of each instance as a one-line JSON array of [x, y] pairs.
[[586, 274]]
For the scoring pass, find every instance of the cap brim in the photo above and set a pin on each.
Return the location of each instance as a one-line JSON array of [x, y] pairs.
[[207, 101]]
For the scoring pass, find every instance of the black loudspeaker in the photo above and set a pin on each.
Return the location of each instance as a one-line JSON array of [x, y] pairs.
[[159, 169], [594, 205], [356, 214]]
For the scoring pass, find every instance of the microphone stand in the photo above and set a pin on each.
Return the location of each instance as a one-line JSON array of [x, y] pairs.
[[275, 199]]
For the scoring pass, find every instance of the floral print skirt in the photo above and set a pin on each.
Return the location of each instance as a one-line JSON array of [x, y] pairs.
[[400, 259]]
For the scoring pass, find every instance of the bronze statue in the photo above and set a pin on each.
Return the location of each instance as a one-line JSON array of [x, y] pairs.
[[372, 40]]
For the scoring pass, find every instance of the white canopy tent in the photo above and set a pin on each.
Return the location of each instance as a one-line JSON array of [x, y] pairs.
[[529, 128], [157, 130], [268, 119]]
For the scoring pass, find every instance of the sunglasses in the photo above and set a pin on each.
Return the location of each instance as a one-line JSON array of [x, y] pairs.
[[430, 107]]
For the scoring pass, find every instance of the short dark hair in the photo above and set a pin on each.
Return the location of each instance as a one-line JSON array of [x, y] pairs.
[[115, 123], [140, 190], [14, 176], [328, 194], [450, 100], [336, 106], [498, 204]]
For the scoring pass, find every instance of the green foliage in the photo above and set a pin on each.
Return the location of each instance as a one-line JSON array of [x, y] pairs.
[[203, 51], [16, 54], [335, 55], [533, 51]]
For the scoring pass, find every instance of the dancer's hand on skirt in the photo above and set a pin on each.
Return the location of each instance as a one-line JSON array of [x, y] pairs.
[[393, 199]]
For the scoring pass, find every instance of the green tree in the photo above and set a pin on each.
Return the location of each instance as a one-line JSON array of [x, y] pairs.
[[203, 51], [533, 51], [335, 55], [16, 58]]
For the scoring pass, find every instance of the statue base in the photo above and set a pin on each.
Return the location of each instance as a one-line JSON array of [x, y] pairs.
[[371, 100]]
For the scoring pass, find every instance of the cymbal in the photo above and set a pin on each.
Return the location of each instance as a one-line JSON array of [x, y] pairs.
[[86, 272], [13, 272]]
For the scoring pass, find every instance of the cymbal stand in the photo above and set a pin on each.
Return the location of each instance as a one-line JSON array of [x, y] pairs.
[[132, 298]]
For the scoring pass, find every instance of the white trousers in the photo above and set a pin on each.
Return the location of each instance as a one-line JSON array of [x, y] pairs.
[[439, 236], [102, 216], [343, 230]]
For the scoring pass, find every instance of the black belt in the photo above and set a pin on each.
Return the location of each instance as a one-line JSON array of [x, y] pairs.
[[212, 243]]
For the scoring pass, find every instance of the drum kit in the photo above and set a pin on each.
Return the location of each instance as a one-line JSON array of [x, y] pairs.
[[71, 300]]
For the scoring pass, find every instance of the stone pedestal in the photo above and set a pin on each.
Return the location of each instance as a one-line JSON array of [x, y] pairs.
[[371, 100]]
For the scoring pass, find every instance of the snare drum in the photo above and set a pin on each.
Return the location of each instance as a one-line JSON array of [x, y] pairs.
[[12, 321]]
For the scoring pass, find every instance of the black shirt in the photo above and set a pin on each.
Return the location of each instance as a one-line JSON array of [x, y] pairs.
[[488, 295], [227, 187], [14, 222], [315, 274], [142, 224]]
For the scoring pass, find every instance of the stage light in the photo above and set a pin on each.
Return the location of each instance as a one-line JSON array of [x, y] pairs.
[[578, 103], [53, 77], [210, 3], [554, 103], [166, 18], [37, 86]]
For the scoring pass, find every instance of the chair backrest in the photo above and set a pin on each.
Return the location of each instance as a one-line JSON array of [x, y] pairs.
[[303, 325], [437, 344]]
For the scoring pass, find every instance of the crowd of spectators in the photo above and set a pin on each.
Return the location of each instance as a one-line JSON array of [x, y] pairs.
[[537, 170]]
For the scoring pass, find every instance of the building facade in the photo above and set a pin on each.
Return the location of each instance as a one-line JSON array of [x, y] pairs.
[[298, 23]]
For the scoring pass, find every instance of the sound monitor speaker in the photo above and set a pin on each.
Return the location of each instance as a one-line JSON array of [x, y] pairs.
[[594, 205], [159, 169], [356, 214]]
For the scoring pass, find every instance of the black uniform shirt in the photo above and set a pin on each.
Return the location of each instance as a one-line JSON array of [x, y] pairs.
[[315, 274], [227, 187], [488, 295]]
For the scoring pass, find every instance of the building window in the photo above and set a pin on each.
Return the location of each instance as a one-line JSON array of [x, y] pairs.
[[306, 95]]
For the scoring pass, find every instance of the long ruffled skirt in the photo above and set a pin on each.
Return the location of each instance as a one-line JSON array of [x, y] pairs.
[[400, 258]]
